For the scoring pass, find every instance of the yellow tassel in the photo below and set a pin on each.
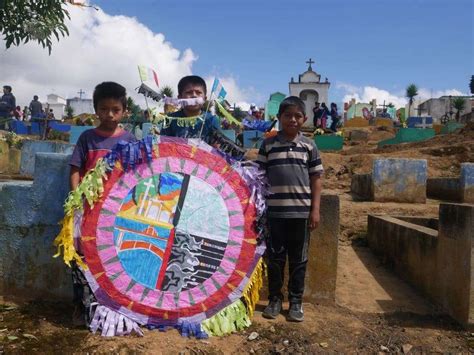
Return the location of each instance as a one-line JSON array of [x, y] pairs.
[[251, 292], [65, 240]]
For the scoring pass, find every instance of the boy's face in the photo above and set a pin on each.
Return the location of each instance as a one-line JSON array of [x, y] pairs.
[[291, 120], [193, 91], [110, 112]]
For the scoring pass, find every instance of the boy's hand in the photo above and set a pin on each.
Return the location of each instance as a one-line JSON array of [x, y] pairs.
[[314, 219]]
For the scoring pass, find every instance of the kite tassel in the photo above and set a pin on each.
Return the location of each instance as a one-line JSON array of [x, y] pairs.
[[251, 294], [112, 323], [65, 241], [233, 318]]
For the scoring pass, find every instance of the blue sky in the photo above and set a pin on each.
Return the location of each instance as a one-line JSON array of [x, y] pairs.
[[366, 48], [384, 44]]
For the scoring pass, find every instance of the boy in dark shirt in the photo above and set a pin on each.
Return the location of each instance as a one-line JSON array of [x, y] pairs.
[[190, 87], [110, 103], [293, 168]]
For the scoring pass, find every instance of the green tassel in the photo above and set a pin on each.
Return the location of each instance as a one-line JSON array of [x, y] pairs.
[[90, 188], [233, 318]]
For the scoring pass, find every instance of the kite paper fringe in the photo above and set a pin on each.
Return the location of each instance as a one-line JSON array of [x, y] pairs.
[[183, 102], [112, 323], [233, 318], [130, 154], [191, 329], [65, 241], [90, 188], [251, 294]]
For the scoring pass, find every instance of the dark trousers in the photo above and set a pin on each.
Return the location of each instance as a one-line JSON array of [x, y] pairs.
[[288, 236]]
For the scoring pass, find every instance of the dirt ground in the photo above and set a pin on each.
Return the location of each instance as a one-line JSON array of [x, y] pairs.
[[375, 311]]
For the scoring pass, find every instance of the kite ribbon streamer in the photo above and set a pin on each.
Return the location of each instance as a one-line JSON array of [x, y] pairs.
[[227, 115]]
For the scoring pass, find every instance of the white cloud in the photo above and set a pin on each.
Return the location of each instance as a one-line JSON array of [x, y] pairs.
[[241, 97], [368, 93], [100, 47]]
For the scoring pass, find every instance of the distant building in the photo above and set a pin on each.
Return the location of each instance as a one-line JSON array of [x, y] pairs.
[[57, 104], [81, 105], [437, 108], [310, 89]]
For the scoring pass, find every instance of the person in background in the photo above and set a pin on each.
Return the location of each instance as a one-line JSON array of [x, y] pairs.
[[324, 115], [36, 108], [334, 117]]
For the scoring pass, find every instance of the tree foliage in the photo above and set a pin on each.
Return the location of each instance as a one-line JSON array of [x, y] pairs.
[[471, 85], [458, 104], [167, 91], [411, 92], [22, 21]]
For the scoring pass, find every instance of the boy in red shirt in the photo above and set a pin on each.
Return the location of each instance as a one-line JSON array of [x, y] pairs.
[[110, 104]]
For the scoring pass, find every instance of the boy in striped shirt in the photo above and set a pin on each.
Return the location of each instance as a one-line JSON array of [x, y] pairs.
[[293, 168]]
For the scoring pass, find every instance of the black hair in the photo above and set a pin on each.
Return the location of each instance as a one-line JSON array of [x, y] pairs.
[[292, 101], [109, 90], [191, 79], [333, 104], [35, 97], [8, 87]]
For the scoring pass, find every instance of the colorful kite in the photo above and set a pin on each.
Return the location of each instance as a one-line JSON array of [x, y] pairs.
[[170, 238]]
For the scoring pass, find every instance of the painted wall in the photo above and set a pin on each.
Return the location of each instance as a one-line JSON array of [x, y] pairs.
[[30, 148], [29, 217], [399, 180]]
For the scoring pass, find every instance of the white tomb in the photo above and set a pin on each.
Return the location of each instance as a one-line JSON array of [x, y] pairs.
[[310, 89]]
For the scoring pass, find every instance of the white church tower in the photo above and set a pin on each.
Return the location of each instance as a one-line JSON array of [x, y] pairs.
[[310, 89]]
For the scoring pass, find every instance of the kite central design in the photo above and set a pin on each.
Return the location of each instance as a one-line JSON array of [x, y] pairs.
[[173, 241], [159, 236]]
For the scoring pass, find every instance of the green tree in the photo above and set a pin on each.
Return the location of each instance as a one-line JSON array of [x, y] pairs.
[[22, 21], [471, 85], [69, 111], [458, 104], [411, 92], [167, 91], [239, 114], [134, 110]]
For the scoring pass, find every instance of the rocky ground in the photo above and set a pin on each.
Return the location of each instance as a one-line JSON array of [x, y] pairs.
[[374, 312]]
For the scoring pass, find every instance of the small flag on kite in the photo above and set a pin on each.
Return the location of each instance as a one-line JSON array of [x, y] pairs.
[[148, 74], [218, 89]]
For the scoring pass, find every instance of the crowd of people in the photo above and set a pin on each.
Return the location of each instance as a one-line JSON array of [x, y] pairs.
[[10, 110], [321, 113]]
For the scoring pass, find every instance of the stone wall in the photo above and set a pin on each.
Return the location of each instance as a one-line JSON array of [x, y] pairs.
[[9, 159], [399, 180], [29, 217], [439, 264], [362, 186], [31, 147], [459, 189]]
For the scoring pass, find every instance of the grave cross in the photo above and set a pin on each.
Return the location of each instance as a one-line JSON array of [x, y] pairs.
[[309, 62], [80, 92]]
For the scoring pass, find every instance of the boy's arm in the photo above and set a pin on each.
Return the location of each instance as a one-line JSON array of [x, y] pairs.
[[74, 177], [316, 187]]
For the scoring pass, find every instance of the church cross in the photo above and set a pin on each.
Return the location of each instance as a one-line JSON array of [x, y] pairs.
[[309, 62], [80, 92]]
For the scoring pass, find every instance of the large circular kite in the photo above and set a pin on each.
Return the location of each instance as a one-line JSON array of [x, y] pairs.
[[173, 241]]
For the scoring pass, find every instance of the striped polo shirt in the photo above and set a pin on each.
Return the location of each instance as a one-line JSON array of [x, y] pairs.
[[289, 166]]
